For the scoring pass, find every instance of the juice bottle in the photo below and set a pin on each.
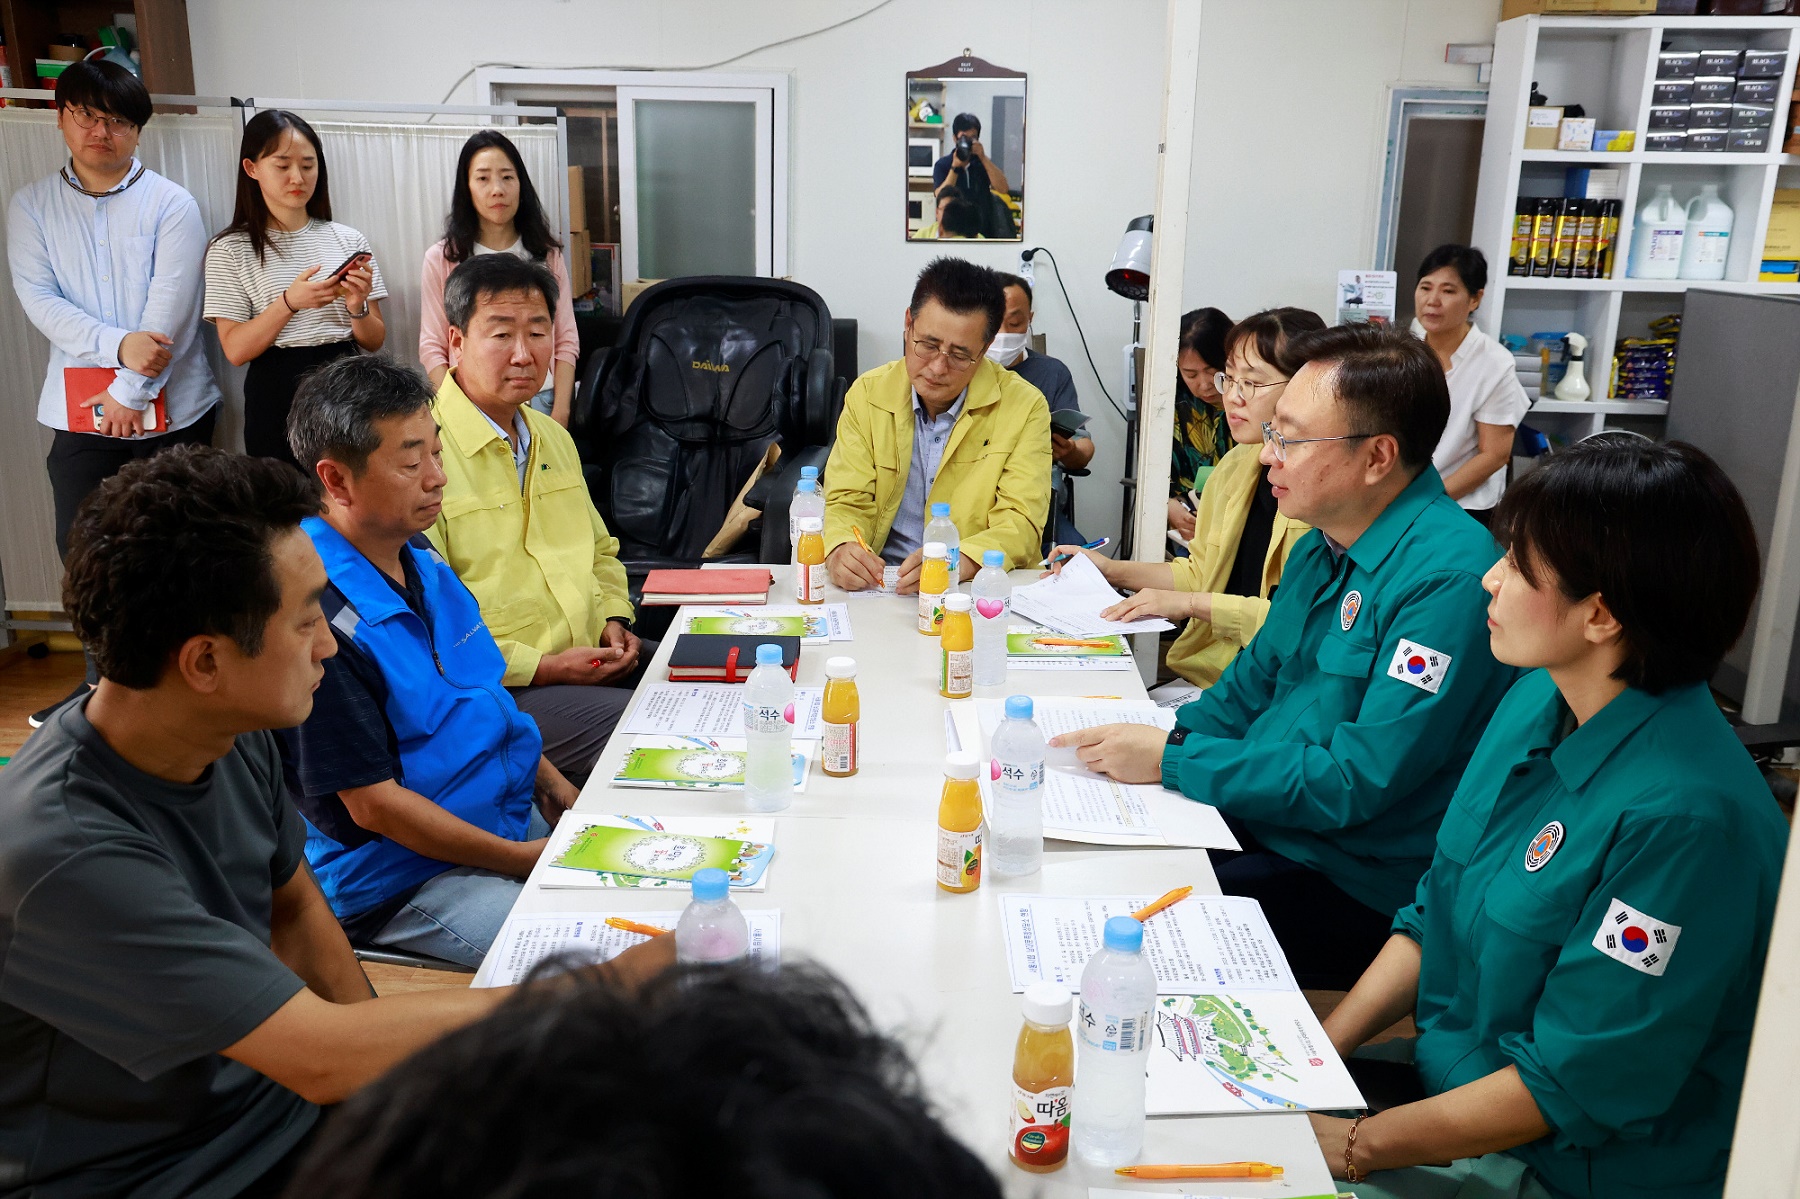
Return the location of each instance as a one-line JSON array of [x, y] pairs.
[[956, 657], [959, 825], [1043, 1080], [841, 752], [809, 559], [934, 581]]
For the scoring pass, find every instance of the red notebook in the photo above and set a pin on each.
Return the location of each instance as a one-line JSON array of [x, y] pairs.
[[743, 585], [85, 382]]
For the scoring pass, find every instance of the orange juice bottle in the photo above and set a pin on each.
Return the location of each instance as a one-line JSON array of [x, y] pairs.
[[1043, 1080], [959, 825], [934, 581], [841, 751], [809, 562], [956, 665]]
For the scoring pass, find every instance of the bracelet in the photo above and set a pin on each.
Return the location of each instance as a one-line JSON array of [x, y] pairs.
[[289, 303], [357, 316], [1350, 1174]]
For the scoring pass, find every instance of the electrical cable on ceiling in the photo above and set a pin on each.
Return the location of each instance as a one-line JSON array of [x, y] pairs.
[[1034, 252]]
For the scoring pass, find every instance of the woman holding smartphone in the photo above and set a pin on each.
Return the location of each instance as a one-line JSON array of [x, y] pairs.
[[494, 209], [288, 288]]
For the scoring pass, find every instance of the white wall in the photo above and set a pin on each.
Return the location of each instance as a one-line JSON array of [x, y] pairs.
[[1292, 101]]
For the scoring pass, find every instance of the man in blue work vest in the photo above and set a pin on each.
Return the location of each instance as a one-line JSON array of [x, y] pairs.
[[416, 771], [1334, 741]]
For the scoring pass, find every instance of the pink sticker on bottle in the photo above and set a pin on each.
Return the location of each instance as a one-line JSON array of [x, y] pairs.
[[788, 713], [994, 769], [990, 608]]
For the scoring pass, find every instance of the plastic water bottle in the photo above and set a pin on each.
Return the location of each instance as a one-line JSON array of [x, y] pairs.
[[808, 501], [1118, 995], [711, 931], [941, 529], [1016, 824], [768, 733], [991, 590]]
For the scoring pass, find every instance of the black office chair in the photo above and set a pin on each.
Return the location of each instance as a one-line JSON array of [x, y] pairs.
[[670, 423]]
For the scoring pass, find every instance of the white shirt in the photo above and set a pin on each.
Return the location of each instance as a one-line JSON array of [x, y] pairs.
[[1484, 387]]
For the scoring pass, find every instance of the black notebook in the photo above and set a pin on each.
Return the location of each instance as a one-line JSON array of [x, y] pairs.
[[725, 657]]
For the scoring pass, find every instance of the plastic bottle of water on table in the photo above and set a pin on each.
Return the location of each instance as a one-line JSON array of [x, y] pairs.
[[991, 591], [711, 930], [942, 529], [809, 500], [1016, 823], [1112, 1039], [768, 733]]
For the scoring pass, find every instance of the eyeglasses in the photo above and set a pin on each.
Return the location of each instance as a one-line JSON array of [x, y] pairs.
[[1282, 443], [1243, 387], [929, 347], [87, 118]]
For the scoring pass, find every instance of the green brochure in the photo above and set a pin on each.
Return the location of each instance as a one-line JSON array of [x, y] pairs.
[[1044, 644], [653, 853], [761, 626], [694, 767]]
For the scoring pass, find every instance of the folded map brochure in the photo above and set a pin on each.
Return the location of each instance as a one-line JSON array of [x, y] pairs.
[[652, 853], [748, 868], [696, 764], [1048, 643], [811, 628]]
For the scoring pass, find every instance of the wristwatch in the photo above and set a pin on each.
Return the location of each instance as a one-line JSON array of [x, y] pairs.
[[1178, 735]]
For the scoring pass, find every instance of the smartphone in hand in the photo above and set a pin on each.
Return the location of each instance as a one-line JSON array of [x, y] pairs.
[[359, 259]]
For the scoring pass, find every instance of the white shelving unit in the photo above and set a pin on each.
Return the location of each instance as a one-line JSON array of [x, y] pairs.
[[1608, 66]]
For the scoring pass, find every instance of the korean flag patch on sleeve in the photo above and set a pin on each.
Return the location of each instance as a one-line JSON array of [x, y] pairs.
[[1419, 665], [1640, 941]]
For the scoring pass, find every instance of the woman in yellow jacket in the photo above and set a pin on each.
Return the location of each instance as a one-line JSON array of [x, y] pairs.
[[1241, 539]]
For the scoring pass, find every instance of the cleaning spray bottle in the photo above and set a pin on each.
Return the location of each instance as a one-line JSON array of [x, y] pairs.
[[1574, 385]]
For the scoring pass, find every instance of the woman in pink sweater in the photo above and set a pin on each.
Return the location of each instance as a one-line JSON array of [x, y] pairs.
[[494, 209]]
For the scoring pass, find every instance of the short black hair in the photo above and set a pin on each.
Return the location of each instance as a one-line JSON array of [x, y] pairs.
[[1203, 331], [966, 120], [1018, 281], [961, 287], [1469, 264], [961, 219], [179, 546], [758, 1084], [1273, 334], [337, 405], [485, 275], [105, 87], [1658, 531], [1388, 381]]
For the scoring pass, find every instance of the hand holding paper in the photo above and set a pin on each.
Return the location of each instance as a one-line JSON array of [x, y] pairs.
[[1072, 600], [1130, 753]]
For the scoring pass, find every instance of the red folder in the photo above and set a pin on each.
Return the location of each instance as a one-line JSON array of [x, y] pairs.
[[743, 585], [85, 382]]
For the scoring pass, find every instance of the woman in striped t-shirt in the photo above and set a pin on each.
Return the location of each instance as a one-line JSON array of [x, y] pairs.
[[272, 282]]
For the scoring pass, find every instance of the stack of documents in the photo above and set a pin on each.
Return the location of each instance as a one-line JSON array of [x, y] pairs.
[[1071, 603]]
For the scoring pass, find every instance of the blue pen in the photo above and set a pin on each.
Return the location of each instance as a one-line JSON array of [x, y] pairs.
[[1096, 544]]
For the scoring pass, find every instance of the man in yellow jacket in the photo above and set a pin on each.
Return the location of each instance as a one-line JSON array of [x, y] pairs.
[[941, 425], [517, 523]]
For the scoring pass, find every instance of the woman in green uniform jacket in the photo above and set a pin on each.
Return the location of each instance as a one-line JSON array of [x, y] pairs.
[[1584, 956]]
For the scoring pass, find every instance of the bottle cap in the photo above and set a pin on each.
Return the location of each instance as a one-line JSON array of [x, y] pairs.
[[1122, 933], [940, 509], [956, 601], [1018, 707], [808, 485], [993, 558], [964, 765], [936, 549], [768, 655], [811, 524], [809, 472], [1048, 1003], [840, 668], [711, 885]]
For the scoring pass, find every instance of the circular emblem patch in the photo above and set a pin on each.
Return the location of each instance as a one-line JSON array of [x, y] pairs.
[[1347, 613], [1543, 846]]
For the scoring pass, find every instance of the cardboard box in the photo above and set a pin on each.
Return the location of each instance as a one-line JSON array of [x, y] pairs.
[[1787, 271], [1675, 91], [1669, 116], [1526, 8], [1756, 91], [1542, 126], [632, 289], [1721, 62], [1594, 183], [1664, 140], [1783, 240], [1752, 116], [1575, 133], [581, 262], [1615, 139], [1763, 64], [1706, 139], [1677, 64], [1710, 89], [1747, 141], [578, 218], [1709, 116]]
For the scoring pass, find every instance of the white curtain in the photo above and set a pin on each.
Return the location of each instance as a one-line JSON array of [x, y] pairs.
[[390, 180]]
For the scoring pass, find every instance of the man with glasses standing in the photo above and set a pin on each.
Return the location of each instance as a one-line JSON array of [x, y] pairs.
[[106, 258], [1334, 741], [941, 424]]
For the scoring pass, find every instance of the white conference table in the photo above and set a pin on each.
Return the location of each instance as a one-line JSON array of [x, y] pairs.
[[854, 880]]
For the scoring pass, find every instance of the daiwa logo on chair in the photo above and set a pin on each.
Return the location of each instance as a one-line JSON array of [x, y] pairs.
[[720, 367]]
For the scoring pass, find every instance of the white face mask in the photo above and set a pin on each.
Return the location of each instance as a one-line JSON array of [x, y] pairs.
[[1007, 346]]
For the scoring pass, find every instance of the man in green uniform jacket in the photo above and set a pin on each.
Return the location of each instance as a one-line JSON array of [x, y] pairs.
[[1334, 740]]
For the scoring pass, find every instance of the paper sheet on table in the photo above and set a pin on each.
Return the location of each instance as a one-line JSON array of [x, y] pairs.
[[1071, 602], [1203, 945], [1246, 1051], [585, 938], [1089, 808], [751, 875], [1175, 693], [1032, 647], [713, 710]]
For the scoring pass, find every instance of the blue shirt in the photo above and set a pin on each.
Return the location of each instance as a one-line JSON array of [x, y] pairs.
[[929, 438], [519, 442], [90, 270]]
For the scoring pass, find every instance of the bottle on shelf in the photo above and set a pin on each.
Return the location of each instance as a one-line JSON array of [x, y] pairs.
[[956, 649], [1563, 238], [1518, 262], [934, 581], [809, 561], [1016, 831], [991, 591], [1587, 239], [942, 529], [1574, 385], [1606, 237], [768, 733], [1656, 243], [959, 825], [1043, 1079], [1543, 237], [809, 500], [1707, 243], [1118, 992], [841, 751], [711, 931]]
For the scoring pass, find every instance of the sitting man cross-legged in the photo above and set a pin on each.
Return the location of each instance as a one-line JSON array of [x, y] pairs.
[[175, 996], [518, 525], [416, 770], [942, 424]]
